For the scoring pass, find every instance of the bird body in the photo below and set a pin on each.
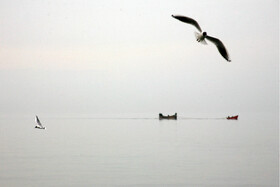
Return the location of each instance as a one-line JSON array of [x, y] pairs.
[[201, 36]]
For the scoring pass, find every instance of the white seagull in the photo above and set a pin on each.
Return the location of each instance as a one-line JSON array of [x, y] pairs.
[[200, 37], [39, 125]]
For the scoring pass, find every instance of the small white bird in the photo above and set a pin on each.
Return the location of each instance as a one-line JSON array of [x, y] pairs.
[[200, 37], [39, 125]]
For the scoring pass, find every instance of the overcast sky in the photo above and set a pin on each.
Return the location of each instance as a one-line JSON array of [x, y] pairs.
[[122, 56]]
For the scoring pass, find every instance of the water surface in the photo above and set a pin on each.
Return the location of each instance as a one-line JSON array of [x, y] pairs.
[[130, 151]]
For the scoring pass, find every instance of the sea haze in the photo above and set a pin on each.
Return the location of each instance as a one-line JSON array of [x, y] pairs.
[[127, 151]]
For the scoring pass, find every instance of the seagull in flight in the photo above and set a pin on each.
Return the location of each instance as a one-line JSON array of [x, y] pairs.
[[201, 36]]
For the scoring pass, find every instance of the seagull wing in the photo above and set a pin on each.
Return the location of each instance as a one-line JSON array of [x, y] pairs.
[[222, 49], [187, 20]]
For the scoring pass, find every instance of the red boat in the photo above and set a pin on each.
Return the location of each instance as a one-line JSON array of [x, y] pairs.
[[233, 117]]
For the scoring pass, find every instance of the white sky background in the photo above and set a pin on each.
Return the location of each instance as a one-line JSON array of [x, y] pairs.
[[121, 56]]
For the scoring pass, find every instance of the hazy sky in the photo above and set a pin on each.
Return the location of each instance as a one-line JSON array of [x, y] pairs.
[[123, 56]]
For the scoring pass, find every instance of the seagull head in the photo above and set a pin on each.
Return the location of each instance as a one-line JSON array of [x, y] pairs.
[[204, 33]]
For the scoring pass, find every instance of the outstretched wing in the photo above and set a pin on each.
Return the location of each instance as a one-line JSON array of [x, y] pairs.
[[187, 20], [222, 49]]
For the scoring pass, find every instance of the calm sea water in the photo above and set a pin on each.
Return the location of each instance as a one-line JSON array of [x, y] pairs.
[[139, 152]]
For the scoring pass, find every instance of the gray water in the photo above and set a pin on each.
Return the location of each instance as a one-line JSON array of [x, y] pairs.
[[192, 151]]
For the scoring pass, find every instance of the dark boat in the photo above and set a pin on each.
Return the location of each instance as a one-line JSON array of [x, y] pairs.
[[233, 117], [167, 117]]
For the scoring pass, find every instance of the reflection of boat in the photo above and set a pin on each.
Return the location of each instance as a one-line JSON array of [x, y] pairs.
[[167, 117], [233, 117], [39, 125]]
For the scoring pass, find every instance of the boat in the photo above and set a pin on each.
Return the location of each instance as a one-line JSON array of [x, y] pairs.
[[233, 117], [167, 117], [39, 125]]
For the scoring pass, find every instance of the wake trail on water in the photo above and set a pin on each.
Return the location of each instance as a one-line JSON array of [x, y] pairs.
[[143, 118], [154, 118], [198, 118]]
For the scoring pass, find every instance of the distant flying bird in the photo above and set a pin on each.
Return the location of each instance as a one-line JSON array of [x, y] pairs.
[[39, 125], [200, 37]]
